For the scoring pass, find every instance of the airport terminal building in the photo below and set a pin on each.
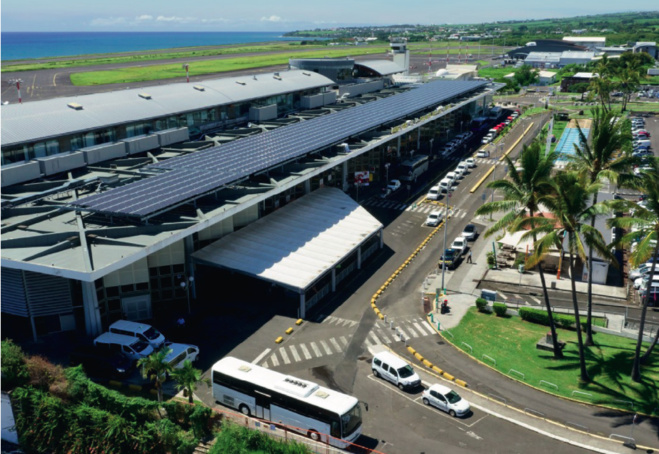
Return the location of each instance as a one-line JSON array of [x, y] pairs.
[[139, 202]]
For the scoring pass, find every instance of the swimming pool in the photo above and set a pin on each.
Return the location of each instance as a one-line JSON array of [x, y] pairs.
[[570, 137]]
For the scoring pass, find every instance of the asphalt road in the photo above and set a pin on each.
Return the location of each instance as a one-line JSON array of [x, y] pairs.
[[333, 348]]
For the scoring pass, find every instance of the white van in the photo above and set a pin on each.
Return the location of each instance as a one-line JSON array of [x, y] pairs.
[[141, 331], [642, 143], [463, 167], [129, 346], [446, 185], [433, 194], [392, 368]]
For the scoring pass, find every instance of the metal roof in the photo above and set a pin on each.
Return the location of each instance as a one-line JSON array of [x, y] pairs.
[[577, 54], [40, 120], [554, 57], [298, 243], [382, 67], [584, 39]]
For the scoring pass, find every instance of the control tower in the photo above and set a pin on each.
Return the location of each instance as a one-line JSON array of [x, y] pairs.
[[401, 54]]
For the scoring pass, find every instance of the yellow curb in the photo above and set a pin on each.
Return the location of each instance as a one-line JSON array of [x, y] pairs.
[[289, 330], [461, 383], [411, 350], [381, 316], [448, 376], [427, 363], [418, 356], [135, 387], [279, 340], [437, 369], [299, 322], [116, 383]]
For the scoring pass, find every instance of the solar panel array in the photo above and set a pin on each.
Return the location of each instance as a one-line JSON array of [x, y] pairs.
[[190, 176]]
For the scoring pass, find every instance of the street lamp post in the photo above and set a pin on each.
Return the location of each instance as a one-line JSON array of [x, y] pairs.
[[18, 88], [386, 170], [186, 66], [186, 282], [448, 200]]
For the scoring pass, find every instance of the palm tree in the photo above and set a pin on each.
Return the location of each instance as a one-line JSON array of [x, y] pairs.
[[645, 221], [604, 158], [155, 368], [601, 84], [521, 192], [569, 205], [187, 378]]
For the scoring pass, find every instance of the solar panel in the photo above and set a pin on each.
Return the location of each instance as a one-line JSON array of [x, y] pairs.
[[190, 176]]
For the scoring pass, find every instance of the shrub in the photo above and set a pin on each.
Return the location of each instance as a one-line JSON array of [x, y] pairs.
[[14, 371], [500, 309], [481, 304], [44, 374], [540, 317]]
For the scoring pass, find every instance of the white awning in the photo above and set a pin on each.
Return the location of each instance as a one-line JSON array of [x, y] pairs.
[[296, 244]]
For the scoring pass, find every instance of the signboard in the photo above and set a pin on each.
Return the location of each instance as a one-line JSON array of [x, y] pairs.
[[362, 178]]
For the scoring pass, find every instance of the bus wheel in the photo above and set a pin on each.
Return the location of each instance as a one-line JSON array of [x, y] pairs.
[[315, 436], [244, 409]]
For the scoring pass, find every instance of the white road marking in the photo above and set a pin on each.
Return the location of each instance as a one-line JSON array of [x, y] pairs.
[[296, 357], [336, 345], [502, 296], [536, 300], [305, 351], [316, 350], [416, 325], [375, 340], [262, 355], [275, 361], [328, 350], [384, 336], [284, 355], [344, 341]]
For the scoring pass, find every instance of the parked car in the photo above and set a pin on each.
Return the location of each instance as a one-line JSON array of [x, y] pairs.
[[469, 232], [483, 154], [394, 185], [460, 244], [140, 331], [179, 353], [102, 363], [446, 399], [463, 168], [450, 259], [434, 218], [433, 193], [642, 270], [471, 162]]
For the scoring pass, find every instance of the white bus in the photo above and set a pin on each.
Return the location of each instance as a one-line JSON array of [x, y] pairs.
[[411, 169], [301, 405]]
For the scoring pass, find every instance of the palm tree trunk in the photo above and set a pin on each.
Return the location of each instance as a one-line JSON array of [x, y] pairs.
[[558, 353], [636, 367], [647, 354], [589, 315], [582, 356], [190, 401]]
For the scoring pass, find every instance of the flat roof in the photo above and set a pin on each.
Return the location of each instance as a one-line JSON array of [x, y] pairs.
[[585, 39], [41, 120], [382, 67], [296, 244]]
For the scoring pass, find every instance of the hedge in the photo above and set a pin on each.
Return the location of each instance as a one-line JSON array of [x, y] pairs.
[[481, 304], [540, 316], [500, 309]]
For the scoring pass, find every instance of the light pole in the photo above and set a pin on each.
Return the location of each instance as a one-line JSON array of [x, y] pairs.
[[448, 200], [18, 87], [186, 66], [431, 141], [186, 282], [386, 169]]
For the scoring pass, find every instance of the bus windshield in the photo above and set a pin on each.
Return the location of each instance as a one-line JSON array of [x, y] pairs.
[[352, 420]]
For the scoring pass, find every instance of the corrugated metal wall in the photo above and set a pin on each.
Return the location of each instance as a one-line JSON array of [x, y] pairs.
[[41, 293]]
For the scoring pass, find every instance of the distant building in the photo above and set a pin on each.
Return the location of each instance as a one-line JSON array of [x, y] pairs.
[[543, 59], [546, 77], [577, 58], [578, 78], [544, 46], [646, 46], [590, 42]]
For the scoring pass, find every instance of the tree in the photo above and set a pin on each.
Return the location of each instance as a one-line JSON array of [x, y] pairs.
[[604, 158], [569, 205], [187, 377], [644, 223], [526, 75], [601, 83], [155, 368], [521, 192]]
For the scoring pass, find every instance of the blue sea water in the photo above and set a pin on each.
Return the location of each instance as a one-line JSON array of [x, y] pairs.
[[25, 45]]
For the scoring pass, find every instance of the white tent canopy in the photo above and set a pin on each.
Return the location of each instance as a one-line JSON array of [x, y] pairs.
[[298, 243]]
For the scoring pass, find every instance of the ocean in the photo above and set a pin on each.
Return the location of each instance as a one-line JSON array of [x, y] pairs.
[[27, 45]]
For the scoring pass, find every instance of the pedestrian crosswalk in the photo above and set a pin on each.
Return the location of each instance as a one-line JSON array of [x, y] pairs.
[[381, 333], [424, 208]]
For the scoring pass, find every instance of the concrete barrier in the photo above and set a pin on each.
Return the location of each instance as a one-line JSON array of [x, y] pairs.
[[437, 369], [448, 376], [427, 363], [461, 382], [299, 321], [411, 350], [289, 330]]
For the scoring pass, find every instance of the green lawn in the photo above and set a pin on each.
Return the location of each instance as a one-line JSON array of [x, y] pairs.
[[495, 73], [511, 343], [170, 71]]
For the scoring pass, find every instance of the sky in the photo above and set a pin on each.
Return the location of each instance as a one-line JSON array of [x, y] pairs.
[[282, 15]]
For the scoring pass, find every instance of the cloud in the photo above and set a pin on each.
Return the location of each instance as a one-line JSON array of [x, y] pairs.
[[272, 18], [108, 21], [176, 19], [144, 17]]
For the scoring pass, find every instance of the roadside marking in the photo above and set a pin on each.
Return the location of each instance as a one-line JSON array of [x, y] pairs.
[[315, 349], [536, 300], [305, 351], [296, 357], [375, 340], [275, 361], [383, 336], [336, 345], [284, 355], [411, 330], [328, 350], [262, 355], [418, 327], [503, 296]]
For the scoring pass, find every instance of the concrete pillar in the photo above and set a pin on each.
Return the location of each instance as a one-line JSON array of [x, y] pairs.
[[188, 245], [398, 147], [307, 186], [359, 257], [344, 176], [93, 326], [381, 235], [303, 305], [418, 138], [334, 279]]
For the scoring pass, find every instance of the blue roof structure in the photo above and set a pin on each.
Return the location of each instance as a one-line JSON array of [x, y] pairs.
[[192, 176]]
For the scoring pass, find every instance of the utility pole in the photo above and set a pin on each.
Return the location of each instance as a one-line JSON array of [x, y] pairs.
[[18, 87], [186, 66]]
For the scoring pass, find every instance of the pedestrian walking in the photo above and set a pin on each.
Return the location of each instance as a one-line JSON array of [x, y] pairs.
[[469, 257]]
